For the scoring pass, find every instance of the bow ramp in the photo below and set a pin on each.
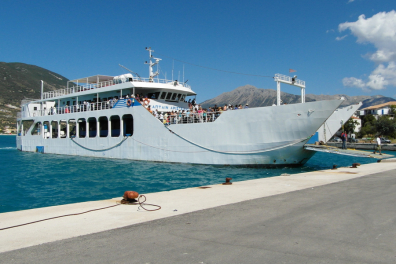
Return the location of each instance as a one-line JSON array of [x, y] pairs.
[[346, 152]]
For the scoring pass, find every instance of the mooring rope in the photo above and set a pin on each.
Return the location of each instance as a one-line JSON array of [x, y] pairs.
[[240, 152], [99, 150]]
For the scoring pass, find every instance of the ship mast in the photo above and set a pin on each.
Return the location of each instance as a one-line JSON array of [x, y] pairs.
[[152, 64], [279, 78]]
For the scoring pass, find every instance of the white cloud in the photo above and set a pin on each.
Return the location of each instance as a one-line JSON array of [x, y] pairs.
[[341, 38], [350, 1], [379, 30]]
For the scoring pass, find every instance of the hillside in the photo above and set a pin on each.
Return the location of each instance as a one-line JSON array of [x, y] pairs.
[[19, 81], [255, 97]]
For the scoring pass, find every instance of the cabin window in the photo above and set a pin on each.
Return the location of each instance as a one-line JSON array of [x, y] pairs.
[[128, 125], [82, 128], [92, 127], [47, 133], [174, 96], [26, 124], [163, 94], [115, 126], [36, 129], [103, 126], [168, 96], [72, 128], [54, 125], [63, 129], [183, 97]]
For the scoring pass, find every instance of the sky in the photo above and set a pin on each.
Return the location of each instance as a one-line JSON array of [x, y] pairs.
[[337, 47]]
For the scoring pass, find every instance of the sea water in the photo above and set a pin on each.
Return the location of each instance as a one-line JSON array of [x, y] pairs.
[[32, 180]]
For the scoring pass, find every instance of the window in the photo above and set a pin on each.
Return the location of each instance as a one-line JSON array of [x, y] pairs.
[[92, 127], [72, 128], [36, 129], [103, 126], [115, 126], [128, 125], [168, 96], [163, 95], [54, 131], [82, 128], [63, 129]]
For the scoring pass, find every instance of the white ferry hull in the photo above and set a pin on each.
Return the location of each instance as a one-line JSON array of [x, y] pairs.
[[264, 136]]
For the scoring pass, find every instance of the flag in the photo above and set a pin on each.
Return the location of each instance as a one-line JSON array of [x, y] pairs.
[[291, 70]]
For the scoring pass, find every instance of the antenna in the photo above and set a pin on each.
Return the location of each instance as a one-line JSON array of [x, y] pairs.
[[152, 64], [130, 70]]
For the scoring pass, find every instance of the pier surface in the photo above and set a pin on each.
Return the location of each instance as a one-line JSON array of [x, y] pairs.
[[332, 216]]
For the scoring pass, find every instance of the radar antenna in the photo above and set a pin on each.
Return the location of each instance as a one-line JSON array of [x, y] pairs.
[[130, 71], [152, 64]]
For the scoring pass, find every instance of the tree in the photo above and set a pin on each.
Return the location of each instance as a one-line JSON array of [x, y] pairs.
[[350, 126], [386, 126]]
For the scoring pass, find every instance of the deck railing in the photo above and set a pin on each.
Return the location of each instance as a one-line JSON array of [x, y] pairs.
[[68, 109], [87, 87]]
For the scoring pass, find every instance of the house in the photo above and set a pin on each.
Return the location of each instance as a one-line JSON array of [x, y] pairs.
[[359, 123], [378, 110]]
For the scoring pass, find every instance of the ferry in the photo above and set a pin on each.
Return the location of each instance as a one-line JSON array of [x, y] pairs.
[[151, 119]]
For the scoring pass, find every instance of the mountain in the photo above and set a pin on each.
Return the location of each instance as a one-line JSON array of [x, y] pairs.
[[19, 81], [255, 97]]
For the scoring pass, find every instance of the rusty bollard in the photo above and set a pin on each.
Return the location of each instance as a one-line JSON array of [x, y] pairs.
[[227, 182], [334, 167], [129, 196], [354, 165]]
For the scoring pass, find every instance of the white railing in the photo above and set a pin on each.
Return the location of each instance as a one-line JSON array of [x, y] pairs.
[[189, 118], [288, 79], [87, 87], [68, 109]]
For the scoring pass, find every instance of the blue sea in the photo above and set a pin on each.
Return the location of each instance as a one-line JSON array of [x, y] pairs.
[[33, 180]]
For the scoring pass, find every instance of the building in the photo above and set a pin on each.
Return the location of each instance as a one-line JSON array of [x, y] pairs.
[[378, 110]]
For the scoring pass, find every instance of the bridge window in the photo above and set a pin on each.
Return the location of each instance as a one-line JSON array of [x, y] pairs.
[[163, 94], [168, 96]]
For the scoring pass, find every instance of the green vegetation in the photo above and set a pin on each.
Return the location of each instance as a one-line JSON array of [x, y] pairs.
[[21, 81], [384, 125]]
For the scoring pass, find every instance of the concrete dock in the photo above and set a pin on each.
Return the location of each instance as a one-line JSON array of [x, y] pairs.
[[331, 216]]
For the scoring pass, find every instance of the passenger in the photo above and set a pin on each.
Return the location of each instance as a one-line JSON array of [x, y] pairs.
[[67, 109], [225, 107], [166, 117], [246, 106], [200, 114], [240, 107], [161, 117]]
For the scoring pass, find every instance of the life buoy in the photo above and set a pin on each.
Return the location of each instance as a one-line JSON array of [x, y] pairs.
[[129, 102], [146, 101]]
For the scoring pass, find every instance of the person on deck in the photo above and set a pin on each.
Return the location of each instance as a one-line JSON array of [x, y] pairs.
[[344, 139], [378, 146]]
